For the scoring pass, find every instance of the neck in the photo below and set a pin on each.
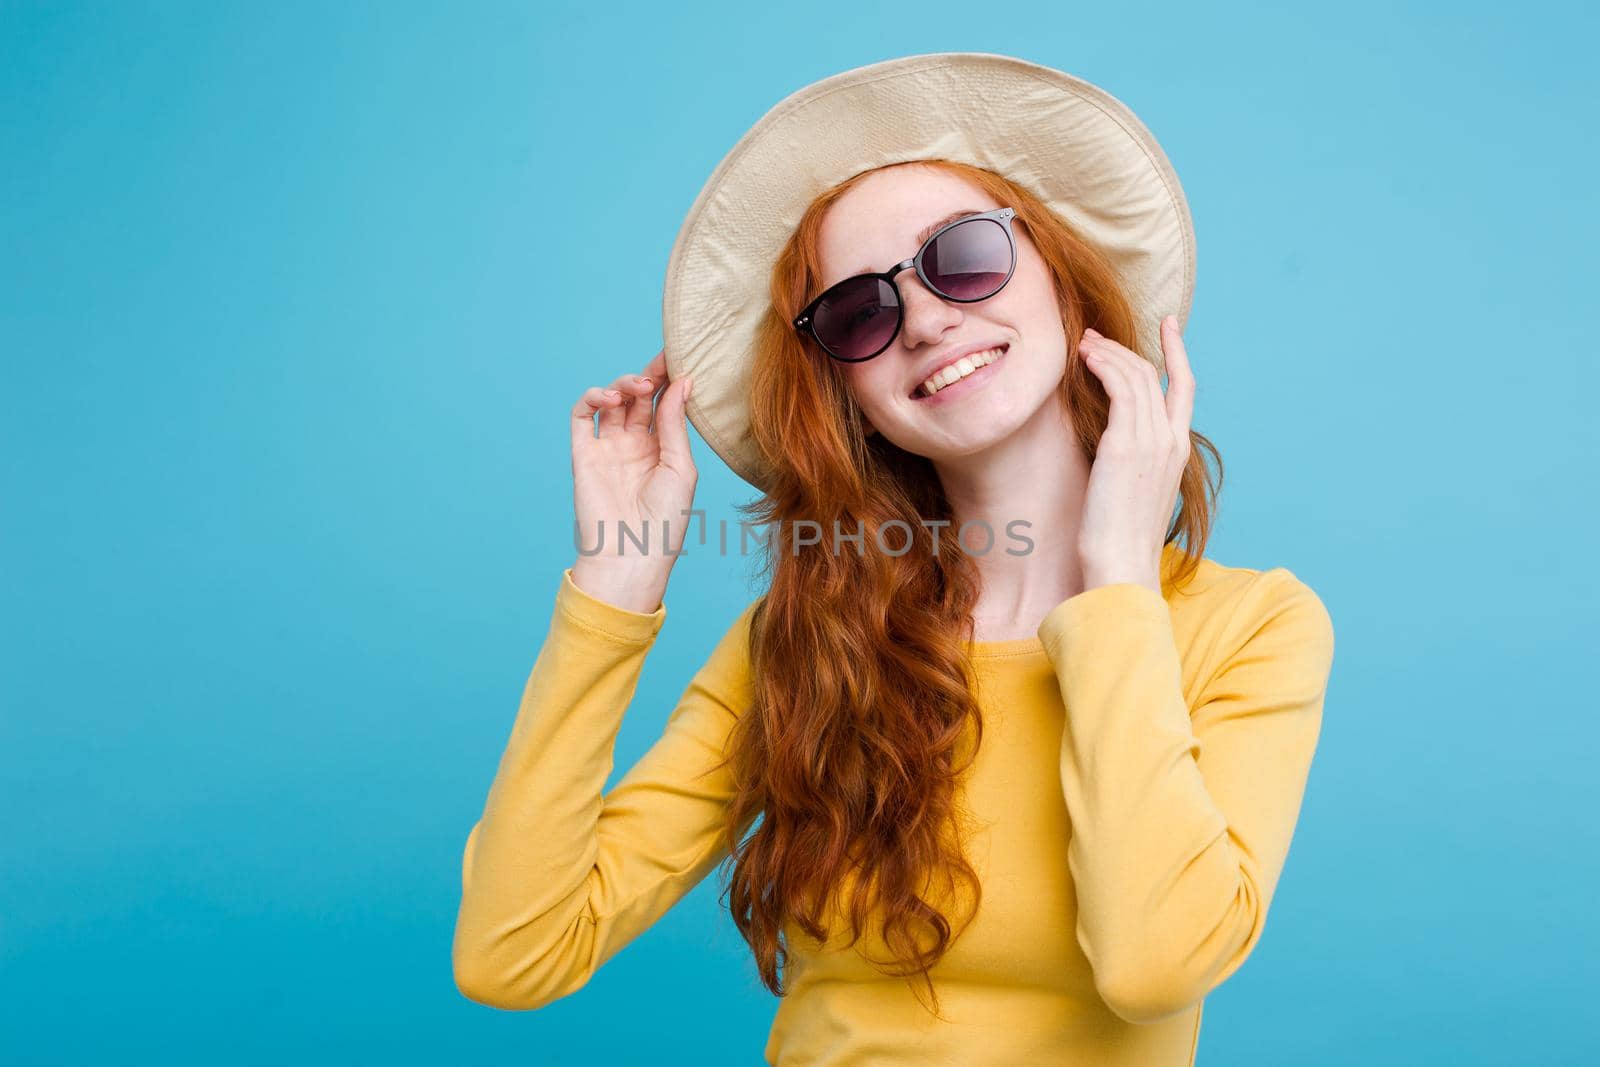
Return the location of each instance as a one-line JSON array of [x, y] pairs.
[[1037, 475]]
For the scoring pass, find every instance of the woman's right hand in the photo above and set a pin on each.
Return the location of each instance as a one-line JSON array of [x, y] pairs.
[[632, 475]]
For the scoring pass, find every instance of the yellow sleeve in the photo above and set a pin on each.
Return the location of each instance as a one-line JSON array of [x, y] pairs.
[[556, 878], [1181, 819]]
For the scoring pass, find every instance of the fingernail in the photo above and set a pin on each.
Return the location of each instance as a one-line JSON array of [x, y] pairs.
[[642, 380], [1091, 331], [613, 394]]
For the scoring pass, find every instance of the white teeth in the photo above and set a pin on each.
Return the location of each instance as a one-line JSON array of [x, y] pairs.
[[958, 370]]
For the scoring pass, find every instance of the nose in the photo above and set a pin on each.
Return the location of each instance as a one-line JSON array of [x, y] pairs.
[[927, 315]]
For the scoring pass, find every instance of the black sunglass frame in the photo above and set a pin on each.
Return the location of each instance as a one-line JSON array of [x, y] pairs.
[[1002, 215]]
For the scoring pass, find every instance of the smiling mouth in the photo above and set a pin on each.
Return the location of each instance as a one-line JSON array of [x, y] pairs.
[[922, 394]]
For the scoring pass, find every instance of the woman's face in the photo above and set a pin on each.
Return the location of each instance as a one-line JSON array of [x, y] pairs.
[[875, 225]]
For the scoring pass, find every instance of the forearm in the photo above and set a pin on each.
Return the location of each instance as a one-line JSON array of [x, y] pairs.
[[527, 871], [1181, 819]]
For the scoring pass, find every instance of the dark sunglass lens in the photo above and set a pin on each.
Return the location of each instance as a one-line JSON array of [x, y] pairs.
[[856, 318], [970, 260]]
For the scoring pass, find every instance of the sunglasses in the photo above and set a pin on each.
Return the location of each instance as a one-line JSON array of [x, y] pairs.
[[964, 261]]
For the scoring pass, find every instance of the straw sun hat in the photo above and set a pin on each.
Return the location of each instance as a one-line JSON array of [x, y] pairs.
[[1076, 147]]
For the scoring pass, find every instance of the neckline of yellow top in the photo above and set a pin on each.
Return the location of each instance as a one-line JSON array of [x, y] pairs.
[[1020, 646]]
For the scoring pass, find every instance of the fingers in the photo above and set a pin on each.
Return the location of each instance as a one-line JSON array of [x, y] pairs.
[[638, 396], [1180, 379], [641, 392], [1125, 384], [1160, 420], [672, 426], [593, 399], [625, 404], [612, 416]]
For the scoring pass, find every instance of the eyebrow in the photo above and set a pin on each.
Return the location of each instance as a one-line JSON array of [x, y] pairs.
[[928, 231]]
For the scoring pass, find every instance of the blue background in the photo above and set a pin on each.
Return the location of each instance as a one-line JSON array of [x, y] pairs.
[[289, 349]]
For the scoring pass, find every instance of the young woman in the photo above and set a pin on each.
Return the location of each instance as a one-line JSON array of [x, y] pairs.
[[1004, 774]]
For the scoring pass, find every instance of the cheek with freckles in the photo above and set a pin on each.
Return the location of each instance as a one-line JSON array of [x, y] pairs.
[[866, 386]]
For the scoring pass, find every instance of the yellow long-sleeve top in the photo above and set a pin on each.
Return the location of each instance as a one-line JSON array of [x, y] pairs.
[[1139, 779]]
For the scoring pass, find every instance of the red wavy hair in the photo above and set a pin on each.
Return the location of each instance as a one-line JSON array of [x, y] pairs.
[[864, 715]]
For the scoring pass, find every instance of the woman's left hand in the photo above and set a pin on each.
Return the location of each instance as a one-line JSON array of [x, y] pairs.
[[1134, 481]]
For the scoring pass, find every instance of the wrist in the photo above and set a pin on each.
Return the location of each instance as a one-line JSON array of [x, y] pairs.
[[630, 586], [1097, 583], [1098, 574]]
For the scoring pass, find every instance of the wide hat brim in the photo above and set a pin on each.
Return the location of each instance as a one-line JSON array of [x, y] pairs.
[[1072, 144]]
